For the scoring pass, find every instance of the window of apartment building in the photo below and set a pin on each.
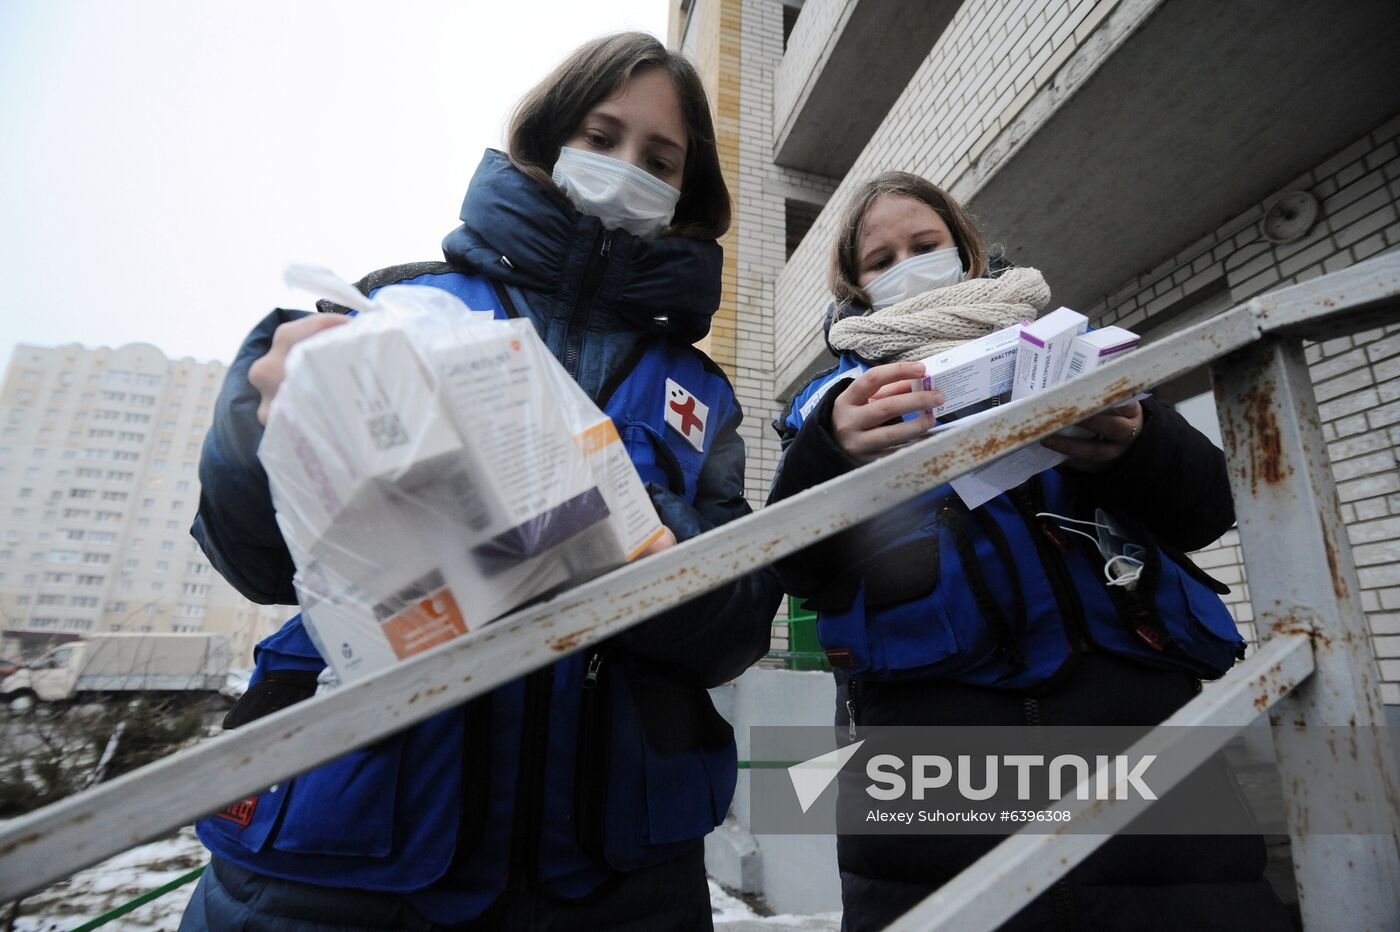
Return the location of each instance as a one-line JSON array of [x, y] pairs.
[[143, 523], [22, 601], [167, 546], [80, 493], [102, 537], [130, 565], [49, 599], [24, 394], [197, 569], [130, 436], [197, 589], [64, 556], [30, 579], [114, 496], [125, 456], [18, 513], [162, 567], [90, 580], [109, 516], [72, 533], [148, 503], [157, 587], [83, 601], [97, 559], [26, 492]]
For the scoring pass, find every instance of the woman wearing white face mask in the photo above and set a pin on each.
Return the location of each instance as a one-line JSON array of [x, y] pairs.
[[1004, 615], [577, 797]]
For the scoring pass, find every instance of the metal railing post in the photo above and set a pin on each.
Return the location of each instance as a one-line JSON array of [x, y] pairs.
[[1302, 580]]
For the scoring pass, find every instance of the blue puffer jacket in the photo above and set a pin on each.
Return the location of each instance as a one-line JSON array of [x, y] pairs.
[[1003, 596], [610, 760]]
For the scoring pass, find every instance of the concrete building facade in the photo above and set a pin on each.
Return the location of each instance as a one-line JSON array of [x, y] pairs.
[[99, 450], [1151, 157]]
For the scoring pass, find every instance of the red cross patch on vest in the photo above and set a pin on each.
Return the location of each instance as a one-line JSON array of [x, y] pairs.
[[686, 414], [240, 812]]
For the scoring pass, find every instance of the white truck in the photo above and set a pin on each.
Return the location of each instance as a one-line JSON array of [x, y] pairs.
[[121, 664]]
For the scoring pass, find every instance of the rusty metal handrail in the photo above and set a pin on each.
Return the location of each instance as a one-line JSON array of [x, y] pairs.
[[55, 841]]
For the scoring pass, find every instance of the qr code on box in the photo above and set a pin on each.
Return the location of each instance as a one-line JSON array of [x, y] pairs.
[[386, 430]]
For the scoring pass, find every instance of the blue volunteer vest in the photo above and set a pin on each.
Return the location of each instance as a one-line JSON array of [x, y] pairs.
[[442, 794], [1007, 597]]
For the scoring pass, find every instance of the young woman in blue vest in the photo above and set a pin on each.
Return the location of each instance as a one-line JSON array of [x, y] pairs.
[[937, 615], [577, 797]]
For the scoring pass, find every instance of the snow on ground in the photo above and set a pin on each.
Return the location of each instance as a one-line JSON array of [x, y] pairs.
[[732, 914], [118, 880], [123, 878]]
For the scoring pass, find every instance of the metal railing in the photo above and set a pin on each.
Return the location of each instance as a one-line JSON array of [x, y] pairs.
[[1314, 666]]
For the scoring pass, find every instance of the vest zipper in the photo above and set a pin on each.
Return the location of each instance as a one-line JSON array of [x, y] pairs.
[[1049, 546], [529, 784], [591, 767], [583, 312], [1061, 899]]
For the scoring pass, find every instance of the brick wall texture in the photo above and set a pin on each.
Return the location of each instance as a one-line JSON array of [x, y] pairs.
[[995, 76]]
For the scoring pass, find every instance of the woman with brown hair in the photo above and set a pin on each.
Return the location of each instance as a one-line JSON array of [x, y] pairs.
[[1017, 612], [577, 797]]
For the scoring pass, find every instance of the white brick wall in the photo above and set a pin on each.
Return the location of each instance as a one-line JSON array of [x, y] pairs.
[[762, 234], [1356, 379], [999, 69], [819, 24]]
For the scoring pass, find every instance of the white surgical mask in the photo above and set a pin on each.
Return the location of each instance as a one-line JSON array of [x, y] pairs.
[[616, 192], [916, 275]]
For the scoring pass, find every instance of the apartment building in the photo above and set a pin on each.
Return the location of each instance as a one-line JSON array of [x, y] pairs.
[[98, 486], [1159, 160]]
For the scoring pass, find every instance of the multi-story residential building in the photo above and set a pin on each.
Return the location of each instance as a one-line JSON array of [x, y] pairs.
[[1159, 160], [98, 486]]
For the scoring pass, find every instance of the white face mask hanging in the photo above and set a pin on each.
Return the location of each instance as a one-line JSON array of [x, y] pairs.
[[616, 192], [916, 275]]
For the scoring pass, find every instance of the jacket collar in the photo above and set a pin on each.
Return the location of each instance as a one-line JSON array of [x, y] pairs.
[[516, 231]]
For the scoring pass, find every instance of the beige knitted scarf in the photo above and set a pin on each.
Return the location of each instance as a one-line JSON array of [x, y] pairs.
[[945, 317]]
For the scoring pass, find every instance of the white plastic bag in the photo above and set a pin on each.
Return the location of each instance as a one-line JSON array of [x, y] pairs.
[[433, 468]]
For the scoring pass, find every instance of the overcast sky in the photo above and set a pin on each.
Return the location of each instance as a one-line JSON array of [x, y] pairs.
[[162, 162]]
